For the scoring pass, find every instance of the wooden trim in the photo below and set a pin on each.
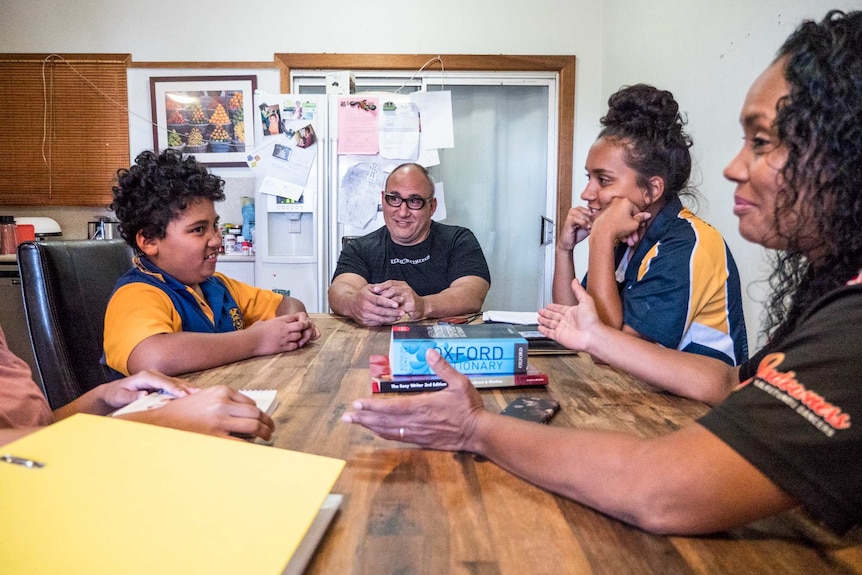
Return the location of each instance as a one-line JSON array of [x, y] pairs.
[[562, 65], [71, 58], [205, 65]]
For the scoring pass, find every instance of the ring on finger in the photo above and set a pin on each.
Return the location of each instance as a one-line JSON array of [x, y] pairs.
[[401, 433]]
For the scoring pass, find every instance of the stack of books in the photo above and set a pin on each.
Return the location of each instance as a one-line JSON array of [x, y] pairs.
[[490, 355]]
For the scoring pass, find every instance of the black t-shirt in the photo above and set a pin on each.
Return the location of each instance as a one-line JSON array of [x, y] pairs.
[[798, 417], [429, 267]]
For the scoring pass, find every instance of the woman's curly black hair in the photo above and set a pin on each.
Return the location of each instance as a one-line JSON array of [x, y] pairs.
[[647, 122], [820, 124], [156, 189]]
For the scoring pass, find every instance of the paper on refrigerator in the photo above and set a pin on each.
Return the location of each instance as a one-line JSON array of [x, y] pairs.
[[283, 164], [399, 131], [435, 109], [358, 125], [359, 193]]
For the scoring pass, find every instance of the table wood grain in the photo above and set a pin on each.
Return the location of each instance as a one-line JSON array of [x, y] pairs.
[[408, 510]]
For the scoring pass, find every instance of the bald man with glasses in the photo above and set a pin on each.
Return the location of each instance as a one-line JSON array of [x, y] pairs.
[[412, 268]]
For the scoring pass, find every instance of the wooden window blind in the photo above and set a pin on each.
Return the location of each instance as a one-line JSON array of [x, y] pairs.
[[66, 128]]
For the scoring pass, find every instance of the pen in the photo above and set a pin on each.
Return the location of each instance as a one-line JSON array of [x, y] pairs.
[[29, 463]]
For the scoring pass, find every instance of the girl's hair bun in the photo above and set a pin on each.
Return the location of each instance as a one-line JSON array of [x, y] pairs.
[[647, 120]]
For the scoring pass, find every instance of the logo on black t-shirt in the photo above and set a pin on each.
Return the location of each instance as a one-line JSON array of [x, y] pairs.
[[406, 261], [786, 388]]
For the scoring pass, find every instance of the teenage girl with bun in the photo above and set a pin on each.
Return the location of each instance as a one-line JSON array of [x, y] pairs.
[[656, 270]]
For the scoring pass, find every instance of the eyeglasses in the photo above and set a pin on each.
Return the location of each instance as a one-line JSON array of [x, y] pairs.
[[413, 202]]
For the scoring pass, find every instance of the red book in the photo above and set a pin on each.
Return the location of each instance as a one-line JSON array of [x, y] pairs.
[[382, 381]]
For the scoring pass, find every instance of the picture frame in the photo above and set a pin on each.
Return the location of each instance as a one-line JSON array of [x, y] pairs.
[[209, 117]]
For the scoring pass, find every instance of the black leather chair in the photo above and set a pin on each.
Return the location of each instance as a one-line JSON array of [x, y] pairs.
[[67, 285], [347, 239]]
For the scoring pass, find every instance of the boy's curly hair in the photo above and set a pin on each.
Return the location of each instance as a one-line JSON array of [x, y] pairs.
[[156, 189]]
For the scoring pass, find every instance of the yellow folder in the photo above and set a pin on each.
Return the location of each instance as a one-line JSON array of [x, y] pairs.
[[116, 496]]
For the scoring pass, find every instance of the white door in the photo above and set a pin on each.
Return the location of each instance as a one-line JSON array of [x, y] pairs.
[[500, 184]]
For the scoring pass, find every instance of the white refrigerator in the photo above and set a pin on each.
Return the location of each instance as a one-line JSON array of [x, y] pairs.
[[300, 177], [311, 189], [290, 239]]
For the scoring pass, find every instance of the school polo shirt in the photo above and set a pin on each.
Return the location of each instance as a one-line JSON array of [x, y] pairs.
[[141, 307], [681, 287]]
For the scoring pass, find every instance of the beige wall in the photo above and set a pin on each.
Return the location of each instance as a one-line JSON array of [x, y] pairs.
[[706, 51], [224, 30]]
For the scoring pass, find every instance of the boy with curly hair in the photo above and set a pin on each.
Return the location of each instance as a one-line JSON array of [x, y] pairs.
[[172, 312]]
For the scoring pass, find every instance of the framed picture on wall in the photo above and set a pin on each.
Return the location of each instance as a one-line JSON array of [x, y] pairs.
[[209, 117]]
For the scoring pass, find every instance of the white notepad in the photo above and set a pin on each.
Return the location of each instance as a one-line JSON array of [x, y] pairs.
[[515, 317]]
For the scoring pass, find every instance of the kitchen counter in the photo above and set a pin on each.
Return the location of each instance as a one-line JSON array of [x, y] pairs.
[[237, 266], [235, 258]]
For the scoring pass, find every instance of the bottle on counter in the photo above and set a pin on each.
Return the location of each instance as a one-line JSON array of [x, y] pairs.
[[8, 235], [247, 216], [229, 244]]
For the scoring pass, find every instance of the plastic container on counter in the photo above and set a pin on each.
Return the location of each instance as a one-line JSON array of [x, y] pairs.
[[8, 235], [229, 244]]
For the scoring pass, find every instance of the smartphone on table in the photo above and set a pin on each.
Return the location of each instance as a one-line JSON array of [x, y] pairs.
[[538, 409]]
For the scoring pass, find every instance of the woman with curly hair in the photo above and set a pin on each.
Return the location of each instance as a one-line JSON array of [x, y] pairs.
[[656, 271], [785, 437], [172, 312]]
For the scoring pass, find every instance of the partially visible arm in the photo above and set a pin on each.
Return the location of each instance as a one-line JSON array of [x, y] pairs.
[[575, 230], [349, 293], [258, 304], [687, 482], [564, 273], [620, 221], [290, 305], [113, 395], [293, 309], [687, 374], [10, 435], [143, 331], [602, 283], [343, 290], [216, 410], [465, 295], [184, 352]]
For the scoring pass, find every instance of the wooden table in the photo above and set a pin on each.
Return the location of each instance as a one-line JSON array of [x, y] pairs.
[[409, 511]]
